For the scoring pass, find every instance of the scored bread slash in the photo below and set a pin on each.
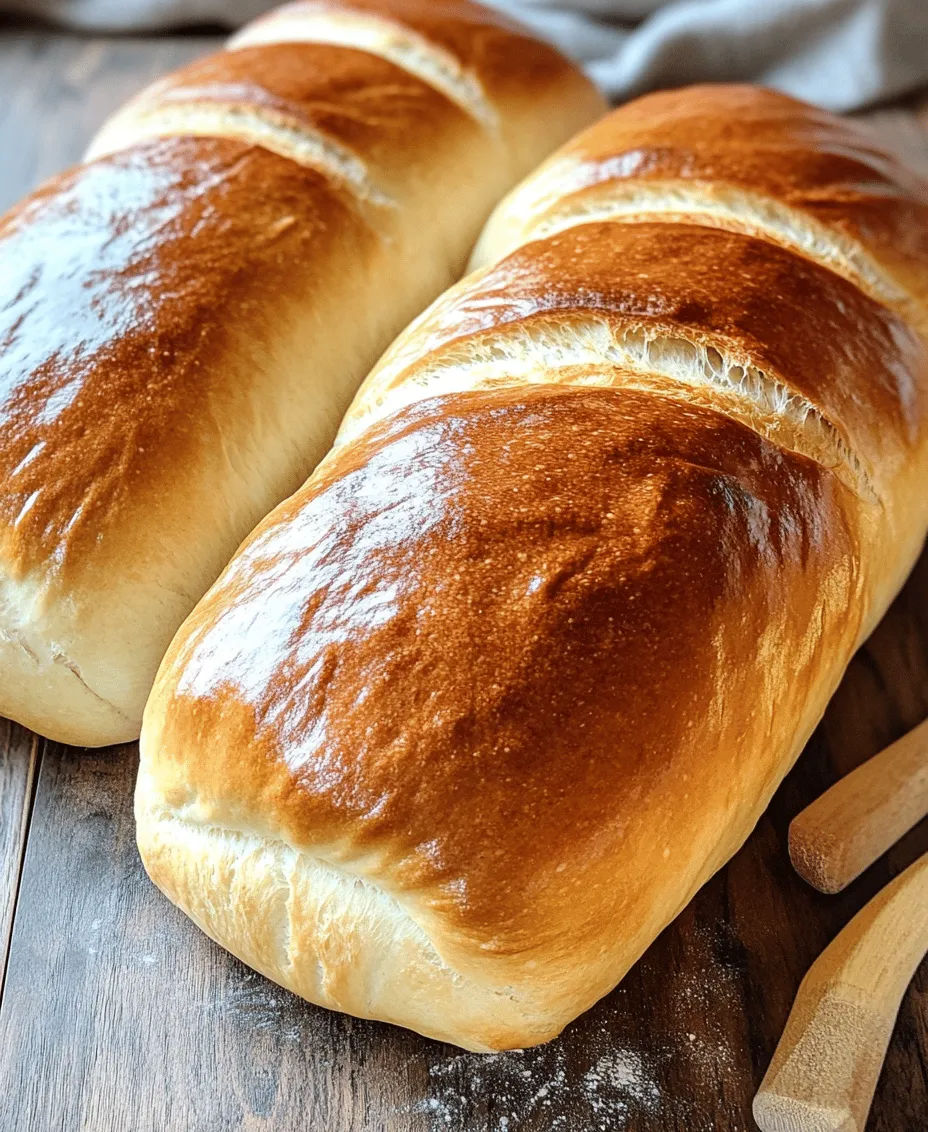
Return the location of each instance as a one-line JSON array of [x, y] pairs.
[[846, 829]]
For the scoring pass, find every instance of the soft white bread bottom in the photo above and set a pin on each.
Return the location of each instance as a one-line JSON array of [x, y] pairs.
[[55, 682], [338, 940], [333, 938]]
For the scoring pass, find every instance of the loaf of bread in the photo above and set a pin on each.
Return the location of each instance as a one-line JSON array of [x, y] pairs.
[[185, 317], [472, 716]]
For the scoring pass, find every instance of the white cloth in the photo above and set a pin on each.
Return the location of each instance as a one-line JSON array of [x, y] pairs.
[[841, 54]]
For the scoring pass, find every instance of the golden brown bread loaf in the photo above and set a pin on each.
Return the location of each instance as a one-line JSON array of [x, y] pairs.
[[471, 716], [185, 317]]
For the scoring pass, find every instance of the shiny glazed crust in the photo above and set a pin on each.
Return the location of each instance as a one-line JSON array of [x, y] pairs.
[[185, 317], [472, 715]]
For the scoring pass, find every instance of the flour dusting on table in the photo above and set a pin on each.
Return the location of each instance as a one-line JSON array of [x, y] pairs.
[[591, 1080], [542, 1087]]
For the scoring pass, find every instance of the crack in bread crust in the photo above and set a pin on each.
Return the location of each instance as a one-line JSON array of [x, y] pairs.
[[592, 351]]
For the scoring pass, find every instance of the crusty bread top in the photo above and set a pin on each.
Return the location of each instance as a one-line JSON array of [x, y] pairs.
[[146, 293], [112, 321], [787, 346], [474, 55], [334, 108], [513, 86], [462, 659], [743, 158]]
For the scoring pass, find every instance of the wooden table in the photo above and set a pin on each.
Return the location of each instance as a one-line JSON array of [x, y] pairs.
[[117, 1015]]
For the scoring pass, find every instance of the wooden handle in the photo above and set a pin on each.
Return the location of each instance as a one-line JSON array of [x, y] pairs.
[[826, 1066], [845, 830]]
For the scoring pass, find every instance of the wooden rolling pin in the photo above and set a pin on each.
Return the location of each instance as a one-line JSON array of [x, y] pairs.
[[845, 830], [826, 1066]]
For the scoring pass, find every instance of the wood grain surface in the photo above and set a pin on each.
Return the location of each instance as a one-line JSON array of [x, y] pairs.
[[117, 1015], [18, 759]]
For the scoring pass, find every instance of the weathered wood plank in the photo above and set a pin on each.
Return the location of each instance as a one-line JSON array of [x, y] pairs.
[[55, 90], [18, 761], [120, 1015]]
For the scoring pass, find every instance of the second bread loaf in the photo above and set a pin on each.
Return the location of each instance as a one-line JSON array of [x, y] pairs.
[[185, 317], [472, 715]]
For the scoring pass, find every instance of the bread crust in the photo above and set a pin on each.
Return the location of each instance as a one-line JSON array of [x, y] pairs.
[[745, 159], [525, 659], [185, 317], [474, 661]]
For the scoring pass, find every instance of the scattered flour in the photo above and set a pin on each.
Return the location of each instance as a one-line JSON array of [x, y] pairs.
[[597, 1077], [619, 1081], [261, 1006], [540, 1088]]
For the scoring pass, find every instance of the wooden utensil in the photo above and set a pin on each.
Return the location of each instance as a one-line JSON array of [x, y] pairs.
[[845, 830], [826, 1066]]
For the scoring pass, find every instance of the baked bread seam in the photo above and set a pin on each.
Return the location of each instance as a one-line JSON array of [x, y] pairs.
[[286, 137]]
